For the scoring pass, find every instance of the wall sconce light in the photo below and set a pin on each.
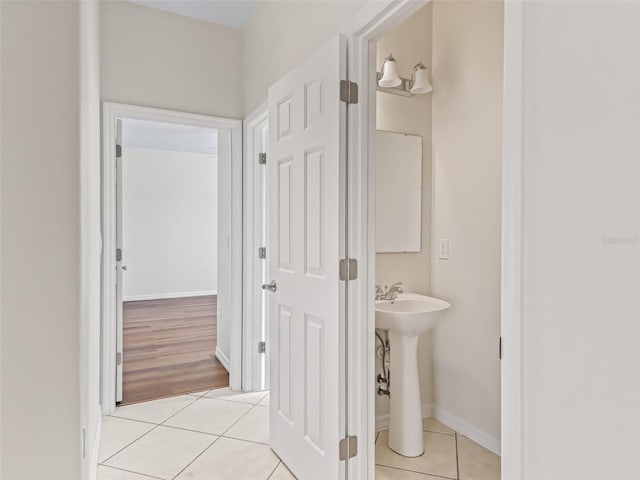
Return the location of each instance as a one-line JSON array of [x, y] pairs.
[[389, 77], [420, 80], [389, 81]]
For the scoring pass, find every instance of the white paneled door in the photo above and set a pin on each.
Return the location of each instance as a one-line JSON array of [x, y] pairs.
[[306, 235]]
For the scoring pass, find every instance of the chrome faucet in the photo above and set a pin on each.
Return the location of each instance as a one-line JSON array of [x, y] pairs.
[[388, 293]]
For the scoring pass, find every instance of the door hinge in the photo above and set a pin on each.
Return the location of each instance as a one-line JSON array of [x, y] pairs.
[[348, 91], [262, 347], [348, 447], [348, 269], [118, 151], [118, 359], [262, 253], [118, 254], [262, 159], [500, 348]]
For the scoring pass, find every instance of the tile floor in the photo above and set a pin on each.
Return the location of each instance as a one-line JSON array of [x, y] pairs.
[[448, 455], [212, 435], [220, 435]]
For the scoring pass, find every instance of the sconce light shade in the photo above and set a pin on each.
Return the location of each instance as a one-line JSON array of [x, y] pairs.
[[389, 71], [420, 81]]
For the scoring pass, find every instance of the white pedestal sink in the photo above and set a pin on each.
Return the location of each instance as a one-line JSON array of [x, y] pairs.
[[406, 318]]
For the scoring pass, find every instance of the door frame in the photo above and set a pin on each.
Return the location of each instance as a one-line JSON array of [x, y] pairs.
[[369, 25], [111, 111], [252, 377]]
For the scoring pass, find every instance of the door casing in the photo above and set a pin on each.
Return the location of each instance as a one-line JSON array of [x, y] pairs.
[[110, 112]]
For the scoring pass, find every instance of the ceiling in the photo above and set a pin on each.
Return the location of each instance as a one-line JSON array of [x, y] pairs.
[[169, 136], [231, 13]]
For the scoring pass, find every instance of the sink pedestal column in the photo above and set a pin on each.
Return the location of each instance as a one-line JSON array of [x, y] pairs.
[[405, 418]]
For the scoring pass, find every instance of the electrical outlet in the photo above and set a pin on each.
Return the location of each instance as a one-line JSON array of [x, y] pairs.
[[443, 252]]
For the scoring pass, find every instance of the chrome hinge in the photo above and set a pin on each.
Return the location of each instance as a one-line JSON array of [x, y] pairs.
[[118, 150], [348, 447], [118, 358], [500, 348], [348, 269], [118, 254], [262, 159], [262, 253], [262, 347], [348, 91]]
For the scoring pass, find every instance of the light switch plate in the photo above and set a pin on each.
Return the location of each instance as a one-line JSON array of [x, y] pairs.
[[444, 249]]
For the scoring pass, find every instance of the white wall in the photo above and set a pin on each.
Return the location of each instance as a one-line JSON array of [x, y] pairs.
[[41, 241], [282, 34], [467, 135], [410, 43], [170, 215], [582, 257], [158, 59], [90, 233]]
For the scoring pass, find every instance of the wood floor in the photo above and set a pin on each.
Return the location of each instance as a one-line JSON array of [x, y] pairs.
[[169, 348]]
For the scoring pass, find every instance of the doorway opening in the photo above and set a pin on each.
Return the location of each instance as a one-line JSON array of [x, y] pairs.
[[167, 214], [172, 267], [437, 205], [479, 123]]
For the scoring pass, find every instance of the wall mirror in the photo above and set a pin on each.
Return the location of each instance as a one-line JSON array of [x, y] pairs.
[[398, 192]]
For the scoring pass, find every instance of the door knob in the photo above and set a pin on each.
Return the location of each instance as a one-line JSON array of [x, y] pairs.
[[271, 286]]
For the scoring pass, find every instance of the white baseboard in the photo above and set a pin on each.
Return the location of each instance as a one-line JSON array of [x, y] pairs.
[[481, 438], [223, 359], [162, 296], [95, 447], [382, 421]]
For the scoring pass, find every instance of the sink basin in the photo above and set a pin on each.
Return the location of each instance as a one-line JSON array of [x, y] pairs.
[[410, 314], [406, 318]]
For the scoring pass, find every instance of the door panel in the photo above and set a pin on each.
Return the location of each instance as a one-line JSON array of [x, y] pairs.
[[305, 233]]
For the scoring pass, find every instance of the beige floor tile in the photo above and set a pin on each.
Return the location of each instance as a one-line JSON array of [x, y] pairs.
[[265, 401], [209, 416], [199, 394], [117, 433], [432, 425], [439, 457], [254, 426], [162, 453], [476, 462], [155, 411], [108, 473], [388, 473], [242, 397], [230, 459], [282, 473]]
